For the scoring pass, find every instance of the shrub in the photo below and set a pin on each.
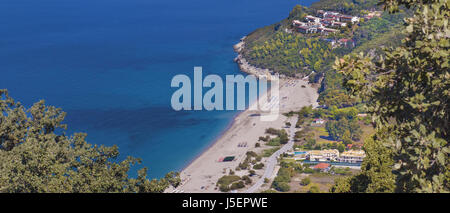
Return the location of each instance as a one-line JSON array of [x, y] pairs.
[[269, 191], [258, 166], [246, 179], [224, 188], [237, 185], [251, 154], [314, 189], [243, 165], [265, 139], [274, 142], [273, 131], [282, 187], [305, 181], [228, 179], [284, 138], [308, 170], [269, 152]]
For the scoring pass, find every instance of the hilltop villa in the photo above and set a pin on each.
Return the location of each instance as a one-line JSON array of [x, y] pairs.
[[326, 19]]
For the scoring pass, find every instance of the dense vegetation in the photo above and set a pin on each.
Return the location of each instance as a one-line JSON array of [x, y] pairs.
[[352, 7], [278, 48], [290, 54], [398, 75], [37, 156], [407, 92], [284, 175], [344, 130]]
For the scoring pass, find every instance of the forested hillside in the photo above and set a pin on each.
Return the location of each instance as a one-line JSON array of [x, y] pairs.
[[406, 90], [279, 48], [396, 72]]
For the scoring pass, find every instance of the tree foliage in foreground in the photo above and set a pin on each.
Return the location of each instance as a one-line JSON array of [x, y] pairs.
[[36, 158], [408, 95]]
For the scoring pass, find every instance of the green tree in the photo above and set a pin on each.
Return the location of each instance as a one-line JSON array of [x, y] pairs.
[[376, 172], [282, 186], [337, 129], [341, 148], [305, 181], [347, 138], [37, 156], [407, 92]]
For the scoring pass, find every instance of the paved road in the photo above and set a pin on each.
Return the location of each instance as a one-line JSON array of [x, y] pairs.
[[272, 161]]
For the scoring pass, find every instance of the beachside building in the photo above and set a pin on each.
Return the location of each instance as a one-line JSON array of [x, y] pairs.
[[300, 155], [323, 155], [352, 156]]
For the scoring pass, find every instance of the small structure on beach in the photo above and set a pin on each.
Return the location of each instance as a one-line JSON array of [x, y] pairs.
[[227, 159]]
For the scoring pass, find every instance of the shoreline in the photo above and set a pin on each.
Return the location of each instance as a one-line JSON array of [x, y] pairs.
[[217, 138], [244, 66], [237, 48], [202, 173]]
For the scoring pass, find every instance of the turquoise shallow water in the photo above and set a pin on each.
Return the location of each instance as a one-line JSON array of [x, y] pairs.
[[108, 64]]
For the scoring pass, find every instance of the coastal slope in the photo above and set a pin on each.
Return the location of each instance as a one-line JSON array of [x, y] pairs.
[[203, 173]]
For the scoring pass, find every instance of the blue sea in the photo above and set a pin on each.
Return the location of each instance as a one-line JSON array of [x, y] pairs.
[[109, 64]]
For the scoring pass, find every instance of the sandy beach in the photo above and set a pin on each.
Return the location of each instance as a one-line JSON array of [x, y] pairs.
[[202, 174]]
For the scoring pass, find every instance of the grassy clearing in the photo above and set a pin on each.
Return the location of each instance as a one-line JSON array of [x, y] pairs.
[[269, 152], [228, 179]]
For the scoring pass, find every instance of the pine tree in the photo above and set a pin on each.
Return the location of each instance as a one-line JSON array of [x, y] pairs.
[[408, 93], [36, 157]]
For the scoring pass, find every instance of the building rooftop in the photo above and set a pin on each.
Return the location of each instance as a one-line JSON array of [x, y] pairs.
[[354, 153], [325, 151], [322, 166]]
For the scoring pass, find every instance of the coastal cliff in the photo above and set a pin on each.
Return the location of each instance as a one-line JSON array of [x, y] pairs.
[[243, 64]]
